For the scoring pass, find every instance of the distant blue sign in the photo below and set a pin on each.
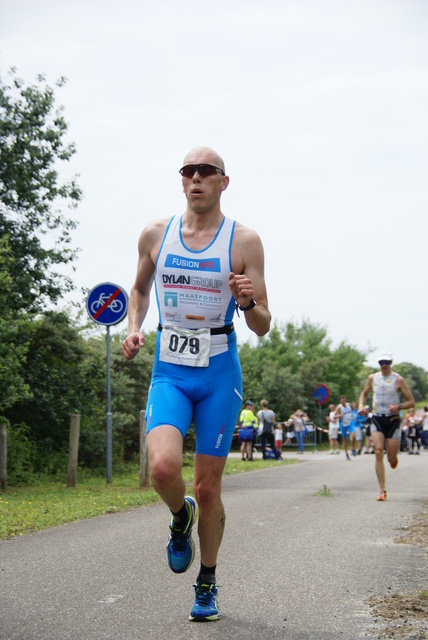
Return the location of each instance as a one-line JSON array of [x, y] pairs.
[[321, 393], [107, 304]]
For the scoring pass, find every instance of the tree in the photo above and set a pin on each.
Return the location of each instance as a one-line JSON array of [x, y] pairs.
[[65, 375], [13, 347], [416, 378], [32, 197]]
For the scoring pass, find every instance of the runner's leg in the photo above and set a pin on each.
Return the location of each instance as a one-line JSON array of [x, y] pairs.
[[207, 485], [378, 440], [165, 444], [392, 449]]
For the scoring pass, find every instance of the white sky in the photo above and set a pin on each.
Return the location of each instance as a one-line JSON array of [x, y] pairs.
[[319, 109]]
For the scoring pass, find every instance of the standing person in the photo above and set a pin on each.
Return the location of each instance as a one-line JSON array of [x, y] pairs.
[[424, 433], [266, 418], [344, 413], [387, 387], [359, 433], [333, 430], [248, 430], [203, 265], [368, 419], [289, 433], [299, 419], [414, 426], [278, 436], [353, 428]]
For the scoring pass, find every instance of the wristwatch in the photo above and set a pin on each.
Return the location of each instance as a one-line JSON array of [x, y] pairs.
[[248, 307]]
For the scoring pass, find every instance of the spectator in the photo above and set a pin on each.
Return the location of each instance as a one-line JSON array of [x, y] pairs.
[[266, 418], [368, 416], [352, 430], [344, 413], [424, 432], [299, 420], [289, 433], [358, 431], [278, 436], [333, 430], [414, 426], [248, 430]]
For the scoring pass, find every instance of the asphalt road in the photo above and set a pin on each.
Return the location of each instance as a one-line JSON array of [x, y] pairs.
[[293, 564]]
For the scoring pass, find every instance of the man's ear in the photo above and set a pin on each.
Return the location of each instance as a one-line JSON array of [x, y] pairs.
[[225, 183]]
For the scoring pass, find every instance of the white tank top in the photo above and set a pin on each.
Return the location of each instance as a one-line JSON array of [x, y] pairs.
[[384, 392], [192, 287]]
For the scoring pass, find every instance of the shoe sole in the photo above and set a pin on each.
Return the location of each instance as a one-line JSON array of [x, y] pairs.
[[201, 618]]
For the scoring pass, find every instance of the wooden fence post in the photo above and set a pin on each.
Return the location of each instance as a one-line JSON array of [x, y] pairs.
[[73, 451], [3, 456], [144, 454]]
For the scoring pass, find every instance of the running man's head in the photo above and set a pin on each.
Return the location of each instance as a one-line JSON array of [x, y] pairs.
[[343, 400], [385, 362], [204, 179]]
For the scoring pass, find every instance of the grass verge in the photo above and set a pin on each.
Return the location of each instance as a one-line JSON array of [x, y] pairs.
[[48, 504]]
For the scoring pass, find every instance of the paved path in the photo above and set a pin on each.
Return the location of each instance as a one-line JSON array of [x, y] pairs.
[[293, 564]]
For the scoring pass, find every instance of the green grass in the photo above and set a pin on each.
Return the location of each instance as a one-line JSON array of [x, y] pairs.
[[325, 492], [28, 509]]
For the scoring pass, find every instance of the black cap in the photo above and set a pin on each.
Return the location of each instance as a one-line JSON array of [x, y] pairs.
[[249, 402]]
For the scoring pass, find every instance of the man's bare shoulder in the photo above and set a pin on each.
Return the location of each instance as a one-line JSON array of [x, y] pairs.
[[155, 229], [246, 234], [370, 380]]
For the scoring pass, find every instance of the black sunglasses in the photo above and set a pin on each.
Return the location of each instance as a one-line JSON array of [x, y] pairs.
[[204, 170], [382, 362]]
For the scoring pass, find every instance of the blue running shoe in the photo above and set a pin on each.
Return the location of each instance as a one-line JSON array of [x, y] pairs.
[[206, 603], [181, 548]]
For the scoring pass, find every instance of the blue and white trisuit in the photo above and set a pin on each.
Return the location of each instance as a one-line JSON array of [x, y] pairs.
[[196, 371]]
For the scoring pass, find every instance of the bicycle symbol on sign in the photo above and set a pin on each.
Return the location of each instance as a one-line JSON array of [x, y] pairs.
[[115, 305]]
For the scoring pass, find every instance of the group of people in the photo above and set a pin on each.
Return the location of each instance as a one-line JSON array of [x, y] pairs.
[[271, 432], [205, 266], [351, 423], [414, 432], [264, 424]]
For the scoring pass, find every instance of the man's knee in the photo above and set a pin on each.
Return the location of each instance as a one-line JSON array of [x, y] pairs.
[[207, 494], [164, 471]]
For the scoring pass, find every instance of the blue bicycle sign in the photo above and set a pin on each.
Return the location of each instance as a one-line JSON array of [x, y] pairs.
[[107, 304]]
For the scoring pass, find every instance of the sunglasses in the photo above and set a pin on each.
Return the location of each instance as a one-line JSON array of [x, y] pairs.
[[382, 362], [204, 170]]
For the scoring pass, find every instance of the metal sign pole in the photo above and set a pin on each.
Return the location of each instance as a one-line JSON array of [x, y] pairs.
[[109, 418], [107, 304]]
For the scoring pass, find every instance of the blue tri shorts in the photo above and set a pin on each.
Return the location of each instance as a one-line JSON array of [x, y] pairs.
[[346, 431], [211, 395]]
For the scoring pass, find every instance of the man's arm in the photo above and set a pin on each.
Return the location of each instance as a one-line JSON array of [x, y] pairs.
[[247, 282], [365, 394], [139, 299], [402, 387]]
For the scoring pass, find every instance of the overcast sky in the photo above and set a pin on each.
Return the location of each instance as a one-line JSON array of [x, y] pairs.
[[319, 109]]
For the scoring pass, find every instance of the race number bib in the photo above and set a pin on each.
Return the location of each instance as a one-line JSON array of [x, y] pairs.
[[187, 347]]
